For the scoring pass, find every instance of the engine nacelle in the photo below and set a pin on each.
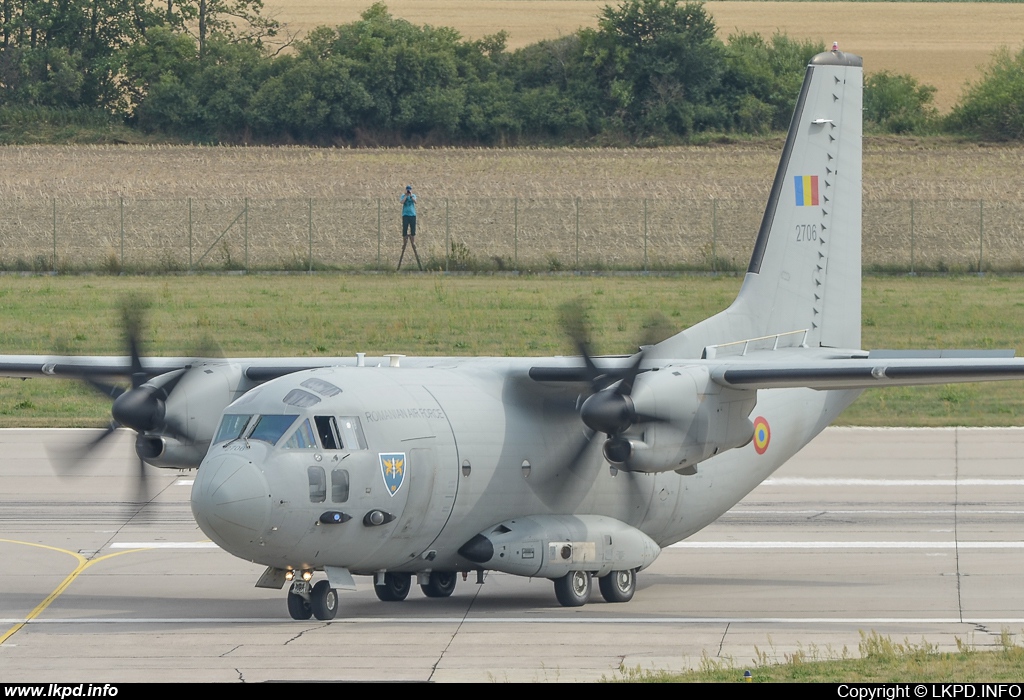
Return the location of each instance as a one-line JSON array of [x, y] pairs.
[[168, 453], [194, 407], [688, 419], [550, 546]]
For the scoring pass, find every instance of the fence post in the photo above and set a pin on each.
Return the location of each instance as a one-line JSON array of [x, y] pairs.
[[378, 233], [577, 234], [911, 236], [981, 232], [54, 266], [246, 229], [447, 236], [310, 235], [515, 235], [191, 267], [714, 235], [122, 235], [645, 234]]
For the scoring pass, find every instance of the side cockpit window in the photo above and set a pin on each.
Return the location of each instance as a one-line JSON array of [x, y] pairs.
[[327, 429], [343, 433], [351, 433]]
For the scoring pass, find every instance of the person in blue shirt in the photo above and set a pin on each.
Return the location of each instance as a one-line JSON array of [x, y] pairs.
[[408, 200]]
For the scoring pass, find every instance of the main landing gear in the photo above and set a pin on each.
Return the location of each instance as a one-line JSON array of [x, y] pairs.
[[394, 587], [305, 601], [573, 590]]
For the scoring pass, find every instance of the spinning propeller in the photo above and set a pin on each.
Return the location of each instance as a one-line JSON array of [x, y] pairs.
[[609, 409], [141, 407]]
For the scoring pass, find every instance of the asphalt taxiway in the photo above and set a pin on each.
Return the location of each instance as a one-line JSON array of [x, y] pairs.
[[914, 534]]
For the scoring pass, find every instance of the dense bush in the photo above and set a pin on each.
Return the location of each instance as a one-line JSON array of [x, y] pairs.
[[898, 104], [993, 108], [652, 71]]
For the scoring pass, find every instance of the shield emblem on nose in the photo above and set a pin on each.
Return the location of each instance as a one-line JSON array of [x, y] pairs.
[[393, 466]]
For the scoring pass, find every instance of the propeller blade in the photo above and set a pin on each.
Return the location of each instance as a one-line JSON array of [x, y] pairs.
[[656, 328], [68, 460], [109, 390], [133, 312], [142, 487]]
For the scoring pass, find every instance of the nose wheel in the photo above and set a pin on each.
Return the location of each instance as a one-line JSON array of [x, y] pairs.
[[324, 601], [299, 606], [305, 601]]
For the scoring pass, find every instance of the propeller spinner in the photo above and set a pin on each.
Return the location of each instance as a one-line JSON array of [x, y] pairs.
[[609, 409]]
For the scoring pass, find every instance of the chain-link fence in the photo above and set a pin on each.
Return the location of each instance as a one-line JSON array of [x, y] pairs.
[[476, 234]]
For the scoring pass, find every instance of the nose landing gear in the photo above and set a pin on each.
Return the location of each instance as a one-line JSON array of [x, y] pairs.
[[305, 601]]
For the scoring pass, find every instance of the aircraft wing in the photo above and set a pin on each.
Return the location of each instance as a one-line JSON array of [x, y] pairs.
[[109, 367], [875, 370]]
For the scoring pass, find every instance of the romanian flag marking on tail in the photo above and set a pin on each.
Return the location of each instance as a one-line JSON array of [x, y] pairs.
[[806, 187]]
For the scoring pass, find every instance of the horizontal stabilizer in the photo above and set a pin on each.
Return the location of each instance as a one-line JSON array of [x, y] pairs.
[[936, 354], [866, 373]]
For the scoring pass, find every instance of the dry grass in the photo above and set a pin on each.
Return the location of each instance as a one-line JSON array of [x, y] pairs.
[[941, 44], [470, 196], [893, 169]]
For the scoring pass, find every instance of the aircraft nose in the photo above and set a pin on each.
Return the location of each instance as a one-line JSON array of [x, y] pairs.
[[231, 501]]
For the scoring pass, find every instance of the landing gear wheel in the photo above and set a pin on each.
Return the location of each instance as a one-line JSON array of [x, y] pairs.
[[573, 589], [394, 588], [324, 601], [440, 585], [618, 586], [298, 607]]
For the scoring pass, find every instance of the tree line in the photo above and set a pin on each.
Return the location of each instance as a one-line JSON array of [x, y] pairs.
[[651, 72]]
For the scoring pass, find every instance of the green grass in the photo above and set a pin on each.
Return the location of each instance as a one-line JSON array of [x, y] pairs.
[[433, 314], [879, 660]]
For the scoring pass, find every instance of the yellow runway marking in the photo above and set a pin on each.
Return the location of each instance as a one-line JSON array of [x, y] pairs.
[[83, 564]]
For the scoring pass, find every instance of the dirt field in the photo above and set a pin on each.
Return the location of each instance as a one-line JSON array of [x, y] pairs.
[[942, 44]]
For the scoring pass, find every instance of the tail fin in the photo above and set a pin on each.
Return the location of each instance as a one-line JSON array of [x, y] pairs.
[[806, 267]]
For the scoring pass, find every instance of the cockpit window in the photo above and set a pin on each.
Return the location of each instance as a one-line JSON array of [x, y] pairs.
[[300, 398], [231, 427], [270, 428], [351, 433], [302, 438], [321, 387], [327, 429]]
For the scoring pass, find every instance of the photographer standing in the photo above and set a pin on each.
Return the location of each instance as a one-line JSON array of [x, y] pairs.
[[408, 200]]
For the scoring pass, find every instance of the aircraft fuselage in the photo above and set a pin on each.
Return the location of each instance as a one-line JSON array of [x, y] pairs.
[[443, 453]]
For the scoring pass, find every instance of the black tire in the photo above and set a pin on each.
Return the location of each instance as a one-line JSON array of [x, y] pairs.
[[394, 588], [440, 585], [618, 586], [298, 607], [573, 589], [324, 601]]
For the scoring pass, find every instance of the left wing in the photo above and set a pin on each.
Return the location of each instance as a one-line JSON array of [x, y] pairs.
[[257, 369]]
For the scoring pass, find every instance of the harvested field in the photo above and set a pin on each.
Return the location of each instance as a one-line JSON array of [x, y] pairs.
[[930, 206], [894, 168], [942, 44]]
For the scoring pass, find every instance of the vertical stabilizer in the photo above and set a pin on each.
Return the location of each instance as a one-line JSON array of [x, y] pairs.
[[805, 271]]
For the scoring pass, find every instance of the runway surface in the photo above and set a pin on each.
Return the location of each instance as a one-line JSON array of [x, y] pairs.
[[915, 534]]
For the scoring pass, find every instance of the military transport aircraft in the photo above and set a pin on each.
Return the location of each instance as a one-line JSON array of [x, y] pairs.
[[566, 468]]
